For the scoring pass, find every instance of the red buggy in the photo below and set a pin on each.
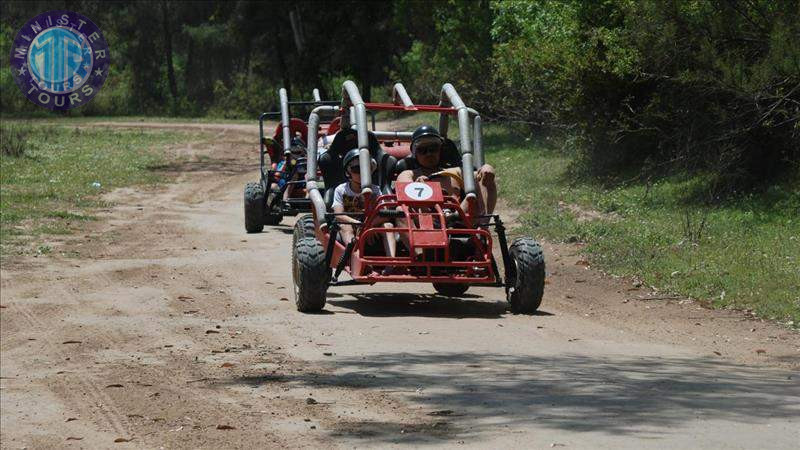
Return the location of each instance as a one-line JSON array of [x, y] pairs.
[[267, 201], [445, 245]]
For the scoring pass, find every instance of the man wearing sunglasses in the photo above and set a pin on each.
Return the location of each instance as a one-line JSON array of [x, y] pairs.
[[426, 147]]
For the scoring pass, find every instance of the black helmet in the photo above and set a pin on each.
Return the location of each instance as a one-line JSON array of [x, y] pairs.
[[423, 132], [353, 154]]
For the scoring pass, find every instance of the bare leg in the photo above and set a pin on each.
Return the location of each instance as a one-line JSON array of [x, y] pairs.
[[488, 188], [287, 194], [389, 241], [402, 224], [347, 233]]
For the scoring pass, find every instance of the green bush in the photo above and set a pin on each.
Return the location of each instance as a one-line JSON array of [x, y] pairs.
[[245, 98], [651, 87], [14, 139], [459, 51], [641, 88]]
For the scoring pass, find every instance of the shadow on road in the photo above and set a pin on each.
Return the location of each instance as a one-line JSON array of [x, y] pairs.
[[617, 395], [423, 305]]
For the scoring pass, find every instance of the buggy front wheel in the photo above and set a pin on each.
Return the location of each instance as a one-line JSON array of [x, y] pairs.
[[254, 207], [310, 273], [525, 279], [304, 227]]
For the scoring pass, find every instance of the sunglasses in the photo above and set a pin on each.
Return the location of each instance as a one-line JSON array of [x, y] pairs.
[[354, 168], [427, 149]]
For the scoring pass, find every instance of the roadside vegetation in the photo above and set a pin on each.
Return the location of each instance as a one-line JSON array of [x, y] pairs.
[[663, 232], [743, 253], [664, 135], [52, 176], [78, 120]]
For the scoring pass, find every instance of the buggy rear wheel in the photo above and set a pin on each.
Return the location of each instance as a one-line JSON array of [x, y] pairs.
[[274, 215], [525, 280], [451, 289], [254, 207], [273, 218], [310, 273]]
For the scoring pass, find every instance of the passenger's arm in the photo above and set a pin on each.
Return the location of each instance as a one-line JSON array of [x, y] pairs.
[[346, 230], [343, 218]]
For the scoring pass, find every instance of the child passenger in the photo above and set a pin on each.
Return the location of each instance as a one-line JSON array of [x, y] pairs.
[[347, 199]]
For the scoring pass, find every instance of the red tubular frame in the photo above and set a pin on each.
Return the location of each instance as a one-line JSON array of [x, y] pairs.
[[360, 267]]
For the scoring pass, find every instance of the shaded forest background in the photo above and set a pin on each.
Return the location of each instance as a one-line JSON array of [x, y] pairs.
[[636, 89]]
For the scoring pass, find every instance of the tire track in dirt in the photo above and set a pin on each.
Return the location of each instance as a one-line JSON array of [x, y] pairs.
[[195, 319], [142, 244], [103, 403]]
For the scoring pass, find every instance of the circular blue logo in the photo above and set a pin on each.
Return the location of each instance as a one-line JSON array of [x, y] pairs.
[[60, 60]]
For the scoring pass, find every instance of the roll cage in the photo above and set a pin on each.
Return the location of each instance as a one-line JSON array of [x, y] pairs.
[[436, 222], [450, 104], [285, 114]]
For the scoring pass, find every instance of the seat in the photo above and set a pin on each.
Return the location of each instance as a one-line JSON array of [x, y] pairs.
[[334, 126], [392, 152], [387, 170], [330, 163], [297, 128]]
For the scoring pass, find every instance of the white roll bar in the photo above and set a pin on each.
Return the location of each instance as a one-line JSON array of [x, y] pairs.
[[393, 135], [477, 141], [356, 117], [287, 136], [351, 121], [351, 96], [450, 97], [311, 169], [399, 93]]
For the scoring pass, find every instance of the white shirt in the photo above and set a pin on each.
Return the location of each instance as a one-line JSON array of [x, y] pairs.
[[351, 201], [324, 143]]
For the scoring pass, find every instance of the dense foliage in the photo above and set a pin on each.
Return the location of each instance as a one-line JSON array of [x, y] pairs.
[[643, 87], [224, 58], [638, 87]]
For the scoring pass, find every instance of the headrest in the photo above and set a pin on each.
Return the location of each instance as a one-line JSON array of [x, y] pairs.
[[334, 126], [297, 128], [346, 140]]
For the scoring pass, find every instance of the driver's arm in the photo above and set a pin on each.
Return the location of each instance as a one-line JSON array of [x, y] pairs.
[[409, 177], [406, 176]]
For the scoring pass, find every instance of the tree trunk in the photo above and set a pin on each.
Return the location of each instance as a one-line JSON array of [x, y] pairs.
[[247, 50], [189, 69], [173, 86], [287, 81], [366, 83], [367, 91], [297, 30]]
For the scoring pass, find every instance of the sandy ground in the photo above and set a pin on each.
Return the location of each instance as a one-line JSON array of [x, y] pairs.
[[172, 328]]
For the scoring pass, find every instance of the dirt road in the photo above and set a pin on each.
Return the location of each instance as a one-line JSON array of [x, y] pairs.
[[173, 328]]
